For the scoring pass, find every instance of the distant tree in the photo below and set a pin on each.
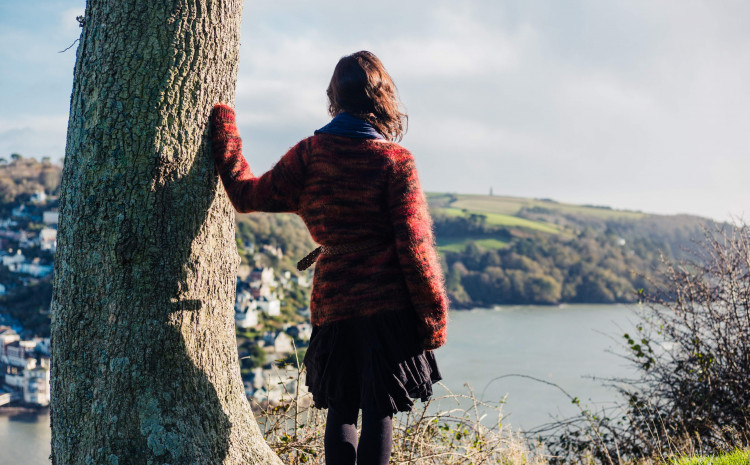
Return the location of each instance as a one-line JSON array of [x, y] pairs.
[[49, 179], [453, 283], [144, 364], [478, 221], [542, 289], [15, 156]]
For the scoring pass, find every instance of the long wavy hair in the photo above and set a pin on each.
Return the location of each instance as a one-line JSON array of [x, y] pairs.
[[360, 85]]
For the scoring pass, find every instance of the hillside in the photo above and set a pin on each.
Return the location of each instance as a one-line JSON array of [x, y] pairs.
[[26, 176], [510, 250]]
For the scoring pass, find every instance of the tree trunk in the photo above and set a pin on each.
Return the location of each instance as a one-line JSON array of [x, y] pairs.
[[144, 364]]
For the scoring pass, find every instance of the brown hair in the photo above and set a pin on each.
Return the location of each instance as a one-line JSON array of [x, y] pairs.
[[360, 85]]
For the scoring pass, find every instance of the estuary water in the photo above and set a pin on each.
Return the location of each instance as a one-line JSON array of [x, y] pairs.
[[565, 345]]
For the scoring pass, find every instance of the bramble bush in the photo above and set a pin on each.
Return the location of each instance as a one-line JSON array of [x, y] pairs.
[[692, 351]]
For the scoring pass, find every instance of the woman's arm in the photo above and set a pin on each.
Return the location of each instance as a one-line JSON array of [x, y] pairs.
[[278, 190], [415, 246]]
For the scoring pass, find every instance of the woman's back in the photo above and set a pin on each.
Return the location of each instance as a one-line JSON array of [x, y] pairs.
[[344, 198], [349, 200]]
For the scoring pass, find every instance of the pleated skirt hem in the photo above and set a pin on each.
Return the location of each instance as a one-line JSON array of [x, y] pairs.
[[373, 362]]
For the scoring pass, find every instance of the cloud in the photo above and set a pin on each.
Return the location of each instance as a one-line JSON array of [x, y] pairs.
[[460, 46], [632, 103], [34, 136]]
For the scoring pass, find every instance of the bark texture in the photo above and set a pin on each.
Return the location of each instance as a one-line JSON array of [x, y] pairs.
[[144, 366]]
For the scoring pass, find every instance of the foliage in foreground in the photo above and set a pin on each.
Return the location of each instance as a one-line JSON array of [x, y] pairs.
[[738, 457], [692, 351], [447, 430]]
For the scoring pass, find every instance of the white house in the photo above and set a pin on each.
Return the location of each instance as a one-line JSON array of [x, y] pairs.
[[19, 352], [260, 289], [256, 379], [282, 343], [278, 342], [264, 275], [247, 318], [48, 239], [245, 310], [18, 357], [302, 280], [270, 306], [7, 335], [36, 389], [38, 197], [50, 217], [302, 331], [243, 299], [13, 259], [286, 277]]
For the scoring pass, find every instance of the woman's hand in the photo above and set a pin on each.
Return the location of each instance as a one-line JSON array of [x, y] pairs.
[[275, 191], [222, 125]]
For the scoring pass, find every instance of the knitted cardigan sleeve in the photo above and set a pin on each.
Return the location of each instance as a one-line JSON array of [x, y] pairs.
[[277, 190], [415, 247]]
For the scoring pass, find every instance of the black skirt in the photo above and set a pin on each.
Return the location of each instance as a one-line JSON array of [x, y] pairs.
[[372, 362]]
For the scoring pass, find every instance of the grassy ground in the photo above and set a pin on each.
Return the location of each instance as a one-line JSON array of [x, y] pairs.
[[510, 206], [500, 219], [738, 457], [447, 430], [504, 211], [453, 244]]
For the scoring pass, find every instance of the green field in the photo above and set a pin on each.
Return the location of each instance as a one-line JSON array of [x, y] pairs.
[[499, 219], [511, 206], [452, 244]]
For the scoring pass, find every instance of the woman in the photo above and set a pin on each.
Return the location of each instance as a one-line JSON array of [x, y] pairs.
[[378, 305]]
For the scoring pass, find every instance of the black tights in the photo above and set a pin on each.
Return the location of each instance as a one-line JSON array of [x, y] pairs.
[[341, 437]]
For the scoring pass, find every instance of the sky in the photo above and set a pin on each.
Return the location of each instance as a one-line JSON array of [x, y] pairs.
[[635, 104]]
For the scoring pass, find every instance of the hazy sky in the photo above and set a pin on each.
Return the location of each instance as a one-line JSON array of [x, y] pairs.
[[637, 104]]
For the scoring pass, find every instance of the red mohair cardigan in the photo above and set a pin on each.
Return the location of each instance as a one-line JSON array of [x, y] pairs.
[[348, 191]]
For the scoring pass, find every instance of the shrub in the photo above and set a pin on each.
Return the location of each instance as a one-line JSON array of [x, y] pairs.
[[692, 350]]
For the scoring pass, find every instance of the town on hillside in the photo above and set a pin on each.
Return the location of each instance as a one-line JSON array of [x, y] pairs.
[[271, 311], [28, 240]]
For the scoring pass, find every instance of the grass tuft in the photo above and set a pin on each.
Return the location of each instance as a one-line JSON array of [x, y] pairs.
[[450, 429], [738, 457]]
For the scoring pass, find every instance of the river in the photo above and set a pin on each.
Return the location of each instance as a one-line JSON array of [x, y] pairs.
[[564, 345]]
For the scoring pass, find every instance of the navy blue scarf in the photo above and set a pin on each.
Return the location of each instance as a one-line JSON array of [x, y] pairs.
[[346, 124]]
